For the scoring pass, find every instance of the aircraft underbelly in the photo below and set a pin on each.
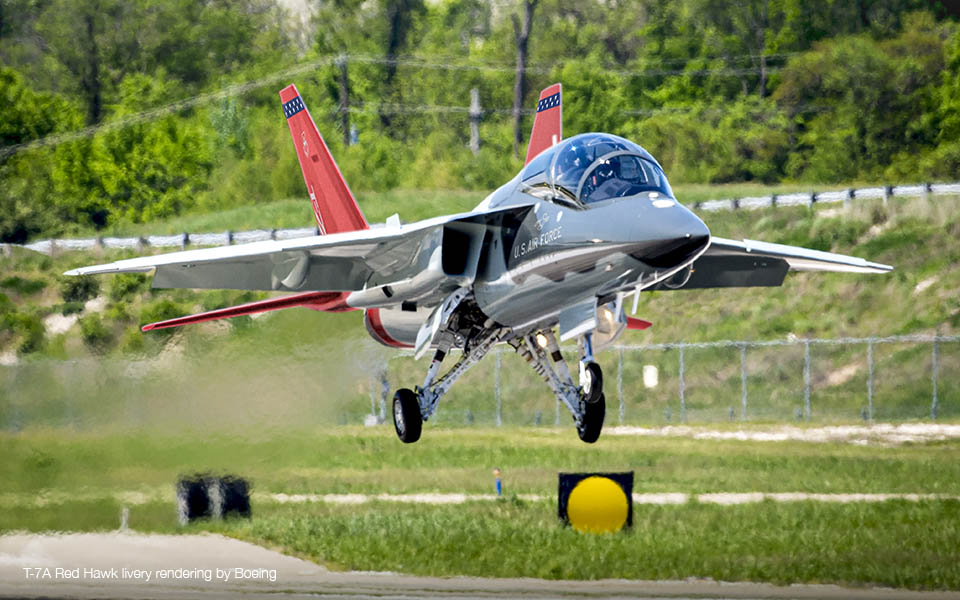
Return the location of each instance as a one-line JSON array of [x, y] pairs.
[[524, 297]]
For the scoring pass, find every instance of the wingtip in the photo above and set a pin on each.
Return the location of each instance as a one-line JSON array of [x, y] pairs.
[[73, 272], [148, 327]]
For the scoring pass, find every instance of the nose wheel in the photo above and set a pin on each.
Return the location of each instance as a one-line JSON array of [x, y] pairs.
[[591, 382], [406, 415]]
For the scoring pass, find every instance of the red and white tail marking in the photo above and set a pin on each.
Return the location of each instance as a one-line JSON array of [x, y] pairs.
[[333, 204], [548, 122]]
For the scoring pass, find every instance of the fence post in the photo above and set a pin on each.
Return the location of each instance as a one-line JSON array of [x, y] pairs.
[[683, 400], [620, 381], [384, 393], [743, 382], [806, 378], [475, 115], [870, 379], [496, 388], [373, 394], [936, 357]]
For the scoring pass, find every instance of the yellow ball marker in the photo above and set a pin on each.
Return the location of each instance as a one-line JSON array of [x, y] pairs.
[[596, 503]]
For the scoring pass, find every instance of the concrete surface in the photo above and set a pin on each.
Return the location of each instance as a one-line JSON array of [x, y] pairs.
[[116, 565]]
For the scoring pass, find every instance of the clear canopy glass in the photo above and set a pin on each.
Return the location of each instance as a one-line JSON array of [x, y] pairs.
[[592, 167]]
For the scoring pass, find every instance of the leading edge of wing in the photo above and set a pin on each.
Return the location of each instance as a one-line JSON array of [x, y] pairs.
[[145, 264], [798, 258]]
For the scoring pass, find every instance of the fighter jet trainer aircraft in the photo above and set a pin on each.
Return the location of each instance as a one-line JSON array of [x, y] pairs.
[[550, 256]]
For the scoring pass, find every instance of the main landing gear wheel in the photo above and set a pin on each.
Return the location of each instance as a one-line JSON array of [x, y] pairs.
[[592, 423], [593, 383], [406, 415]]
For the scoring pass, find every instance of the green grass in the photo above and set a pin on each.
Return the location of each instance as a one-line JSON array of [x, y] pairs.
[[411, 205], [896, 544], [68, 480], [371, 460]]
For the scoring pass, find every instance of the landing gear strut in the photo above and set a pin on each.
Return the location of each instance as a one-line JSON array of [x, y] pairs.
[[585, 402], [412, 407]]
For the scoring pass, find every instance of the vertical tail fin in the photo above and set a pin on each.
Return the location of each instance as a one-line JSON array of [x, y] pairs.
[[333, 203], [547, 123]]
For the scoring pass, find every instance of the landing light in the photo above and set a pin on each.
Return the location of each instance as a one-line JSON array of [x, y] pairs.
[[542, 340]]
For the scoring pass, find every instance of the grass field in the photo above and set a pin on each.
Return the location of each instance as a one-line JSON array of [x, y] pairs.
[[85, 425], [72, 480], [411, 205], [297, 355]]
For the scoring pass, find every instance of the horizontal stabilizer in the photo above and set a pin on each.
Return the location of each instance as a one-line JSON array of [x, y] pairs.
[[322, 301]]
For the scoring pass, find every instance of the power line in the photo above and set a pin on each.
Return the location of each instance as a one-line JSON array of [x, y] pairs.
[[424, 64], [242, 88], [156, 113]]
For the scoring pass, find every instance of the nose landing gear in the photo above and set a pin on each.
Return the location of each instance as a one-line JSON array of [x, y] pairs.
[[585, 402]]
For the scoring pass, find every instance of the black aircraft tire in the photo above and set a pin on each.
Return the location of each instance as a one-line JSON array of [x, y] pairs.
[[594, 412], [596, 383], [406, 416]]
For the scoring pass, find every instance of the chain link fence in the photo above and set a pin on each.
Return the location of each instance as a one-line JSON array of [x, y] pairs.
[[183, 240], [890, 379], [844, 380]]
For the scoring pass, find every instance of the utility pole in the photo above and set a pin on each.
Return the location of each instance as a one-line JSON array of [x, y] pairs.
[[475, 115], [344, 99], [521, 35]]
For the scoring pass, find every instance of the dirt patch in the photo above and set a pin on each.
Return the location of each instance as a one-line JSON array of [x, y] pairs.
[[854, 434]]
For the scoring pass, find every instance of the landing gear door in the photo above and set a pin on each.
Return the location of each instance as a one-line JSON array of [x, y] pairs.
[[611, 321], [436, 323], [578, 319]]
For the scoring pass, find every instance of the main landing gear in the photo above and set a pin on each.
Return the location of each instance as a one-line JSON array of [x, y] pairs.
[[585, 402], [468, 328], [412, 407]]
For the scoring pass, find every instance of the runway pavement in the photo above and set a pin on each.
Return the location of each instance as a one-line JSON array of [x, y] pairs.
[[130, 565]]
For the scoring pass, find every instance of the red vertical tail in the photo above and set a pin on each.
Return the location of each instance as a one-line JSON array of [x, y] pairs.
[[547, 123], [333, 204]]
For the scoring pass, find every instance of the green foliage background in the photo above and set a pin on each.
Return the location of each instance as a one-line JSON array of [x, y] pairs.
[[819, 91]]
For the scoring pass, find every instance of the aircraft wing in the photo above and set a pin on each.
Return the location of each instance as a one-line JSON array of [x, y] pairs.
[[339, 262], [750, 263]]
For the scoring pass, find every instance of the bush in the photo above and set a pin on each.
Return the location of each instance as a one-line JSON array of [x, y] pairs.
[[71, 308], [119, 312], [125, 285], [95, 334], [6, 305], [161, 310], [29, 328], [79, 289], [23, 285], [132, 341]]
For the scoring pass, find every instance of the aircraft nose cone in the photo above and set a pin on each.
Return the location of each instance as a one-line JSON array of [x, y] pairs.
[[678, 238]]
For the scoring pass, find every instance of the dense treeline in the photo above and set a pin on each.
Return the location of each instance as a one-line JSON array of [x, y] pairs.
[[802, 90]]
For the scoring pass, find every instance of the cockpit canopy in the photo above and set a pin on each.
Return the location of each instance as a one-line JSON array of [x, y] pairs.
[[592, 167]]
